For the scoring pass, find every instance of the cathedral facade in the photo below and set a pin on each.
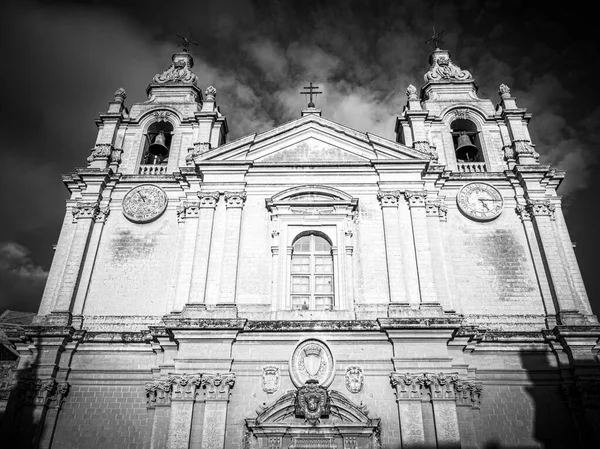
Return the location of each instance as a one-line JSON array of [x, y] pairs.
[[310, 286]]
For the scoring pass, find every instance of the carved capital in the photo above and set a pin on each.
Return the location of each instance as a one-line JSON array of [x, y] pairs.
[[188, 209], [523, 212], [436, 208], [443, 386], [406, 386], [158, 393], [388, 198], [468, 393], [115, 156], [524, 151], [198, 149], [541, 208], [218, 386], [440, 386], [102, 151], [84, 210], [184, 386], [208, 199], [235, 199], [38, 392], [416, 198]]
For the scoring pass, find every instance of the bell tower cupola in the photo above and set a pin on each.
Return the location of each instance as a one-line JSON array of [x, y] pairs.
[[460, 130]]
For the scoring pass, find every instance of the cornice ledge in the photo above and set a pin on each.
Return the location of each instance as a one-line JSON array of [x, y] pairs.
[[172, 323], [297, 325], [116, 337], [421, 322], [38, 331], [582, 330]]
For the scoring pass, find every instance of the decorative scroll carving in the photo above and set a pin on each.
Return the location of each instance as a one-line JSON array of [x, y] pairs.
[[158, 393], [541, 208], [312, 402], [210, 93], [416, 198], [235, 199], [411, 92], [102, 151], [198, 149], [184, 386], [504, 91], [178, 72], [436, 208], [354, 379], [42, 392], [410, 386], [524, 148], [218, 386], [388, 198], [461, 114], [188, 209], [270, 380], [120, 95], [208, 199], [85, 210], [442, 68]]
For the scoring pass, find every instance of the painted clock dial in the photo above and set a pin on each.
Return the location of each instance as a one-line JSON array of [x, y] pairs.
[[144, 203], [480, 201]]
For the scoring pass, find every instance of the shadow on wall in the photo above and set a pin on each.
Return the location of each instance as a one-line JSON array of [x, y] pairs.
[[561, 419]]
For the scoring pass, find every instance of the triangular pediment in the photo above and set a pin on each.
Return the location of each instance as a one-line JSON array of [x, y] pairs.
[[311, 139]]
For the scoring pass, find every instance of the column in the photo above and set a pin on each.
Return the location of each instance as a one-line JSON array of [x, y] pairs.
[[183, 395], [416, 203], [543, 213], [538, 262], [393, 250], [208, 203], [90, 259], [233, 220], [188, 213], [218, 388], [444, 410], [436, 213], [158, 394], [55, 403], [409, 256], [84, 214], [408, 396], [276, 302]]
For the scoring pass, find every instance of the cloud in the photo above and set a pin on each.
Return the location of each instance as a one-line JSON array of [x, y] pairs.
[[22, 280]]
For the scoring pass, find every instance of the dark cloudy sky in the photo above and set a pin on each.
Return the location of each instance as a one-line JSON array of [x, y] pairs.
[[62, 61]]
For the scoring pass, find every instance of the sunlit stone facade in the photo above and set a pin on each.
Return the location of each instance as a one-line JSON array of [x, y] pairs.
[[310, 285]]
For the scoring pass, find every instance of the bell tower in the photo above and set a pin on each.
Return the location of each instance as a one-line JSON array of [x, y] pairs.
[[460, 130], [165, 132]]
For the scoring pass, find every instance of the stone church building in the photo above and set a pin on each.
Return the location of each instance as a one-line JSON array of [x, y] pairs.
[[310, 286]]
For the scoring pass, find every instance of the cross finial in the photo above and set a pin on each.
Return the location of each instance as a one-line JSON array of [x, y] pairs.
[[186, 43], [312, 90], [435, 39]]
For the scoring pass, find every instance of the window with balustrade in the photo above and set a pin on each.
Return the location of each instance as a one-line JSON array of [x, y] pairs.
[[311, 285]]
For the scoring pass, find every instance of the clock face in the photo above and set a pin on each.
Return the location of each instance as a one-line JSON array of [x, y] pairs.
[[480, 201], [144, 203]]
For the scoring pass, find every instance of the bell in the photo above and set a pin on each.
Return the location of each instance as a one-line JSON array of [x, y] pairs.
[[465, 150], [158, 147]]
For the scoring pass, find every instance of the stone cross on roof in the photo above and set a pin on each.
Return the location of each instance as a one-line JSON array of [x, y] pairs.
[[312, 90]]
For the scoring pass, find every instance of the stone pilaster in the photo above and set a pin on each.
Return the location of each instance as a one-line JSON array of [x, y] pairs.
[[436, 212], [446, 392], [389, 205], [233, 221], [84, 215], [183, 394], [416, 201], [218, 388], [207, 205], [188, 214]]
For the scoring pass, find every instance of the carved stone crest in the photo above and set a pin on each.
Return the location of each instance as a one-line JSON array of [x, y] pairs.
[[312, 360], [270, 380], [355, 379], [312, 402]]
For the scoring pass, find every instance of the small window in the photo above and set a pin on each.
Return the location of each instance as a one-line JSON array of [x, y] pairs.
[[467, 146], [157, 143], [312, 273]]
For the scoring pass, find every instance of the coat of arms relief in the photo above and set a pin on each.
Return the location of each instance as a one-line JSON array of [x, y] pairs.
[[355, 379], [312, 360], [270, 380]]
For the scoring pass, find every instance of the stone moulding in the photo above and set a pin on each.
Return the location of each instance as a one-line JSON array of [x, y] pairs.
[[416, 386]]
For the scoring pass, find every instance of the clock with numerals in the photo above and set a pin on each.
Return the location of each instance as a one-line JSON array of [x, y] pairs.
[[480, 201], [144, 203]]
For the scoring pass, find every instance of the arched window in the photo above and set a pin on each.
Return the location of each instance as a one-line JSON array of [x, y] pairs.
[[312, 273], [467, 146], [157, 143]]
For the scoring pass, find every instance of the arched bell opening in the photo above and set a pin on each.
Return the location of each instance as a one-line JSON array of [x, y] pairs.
[[157, 143], [467, 146]]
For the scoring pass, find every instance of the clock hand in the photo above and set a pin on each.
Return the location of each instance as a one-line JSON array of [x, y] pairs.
[[484, 203]]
